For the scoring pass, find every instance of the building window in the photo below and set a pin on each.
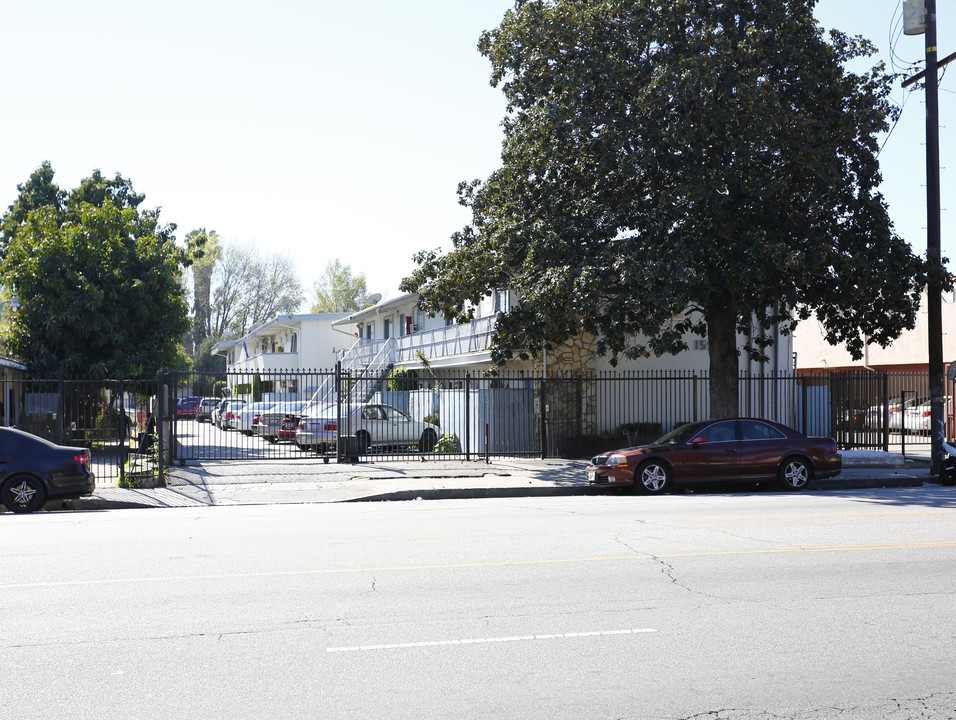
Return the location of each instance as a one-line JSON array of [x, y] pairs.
[[370, 331], [502, 301], [294, 343], [387, 328]]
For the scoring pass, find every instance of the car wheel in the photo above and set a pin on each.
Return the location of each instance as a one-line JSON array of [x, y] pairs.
[[795, 474], [653, 478], [428, 441], [364, 442], [23, 494]]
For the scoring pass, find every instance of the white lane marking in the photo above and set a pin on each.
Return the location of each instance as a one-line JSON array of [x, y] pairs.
[[475, 641]]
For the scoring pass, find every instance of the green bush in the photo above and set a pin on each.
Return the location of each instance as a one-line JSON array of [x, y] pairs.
[[433, 419], [641, 428], [449, 443], [403, 380]]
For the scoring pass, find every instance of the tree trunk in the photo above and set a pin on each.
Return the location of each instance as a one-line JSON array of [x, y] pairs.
[[724, 362]]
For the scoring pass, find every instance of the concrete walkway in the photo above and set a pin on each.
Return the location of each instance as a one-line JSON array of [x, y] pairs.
[[312, 481]]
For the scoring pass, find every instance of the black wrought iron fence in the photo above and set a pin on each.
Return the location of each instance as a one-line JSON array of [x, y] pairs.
[[133, 427], [108, 417], [399, 414]]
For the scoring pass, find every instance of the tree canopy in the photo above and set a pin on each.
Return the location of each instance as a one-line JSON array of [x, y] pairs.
[[338, 290], [98, 279], [235, 286], [689, 167]]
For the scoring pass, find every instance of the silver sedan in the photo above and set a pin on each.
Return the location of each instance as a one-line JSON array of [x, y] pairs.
[[373, 425]]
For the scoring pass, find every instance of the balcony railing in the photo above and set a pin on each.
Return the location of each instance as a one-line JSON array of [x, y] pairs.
[[451, 341], [267, 361]]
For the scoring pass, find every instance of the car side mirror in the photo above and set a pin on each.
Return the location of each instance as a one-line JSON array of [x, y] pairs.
[[699, 440]]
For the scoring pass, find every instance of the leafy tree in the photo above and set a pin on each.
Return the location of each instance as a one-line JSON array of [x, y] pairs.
[[98, 280], [695, 166], [38, 192], [202, 271], [338, 290], [248, 288], [205, 361]]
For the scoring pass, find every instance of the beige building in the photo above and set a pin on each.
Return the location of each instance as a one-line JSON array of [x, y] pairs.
[[909, 352]]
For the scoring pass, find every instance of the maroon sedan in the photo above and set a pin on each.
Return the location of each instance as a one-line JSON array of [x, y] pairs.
[[733, 449]]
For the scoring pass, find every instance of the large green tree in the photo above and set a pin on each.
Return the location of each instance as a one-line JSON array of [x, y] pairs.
[[98, 279], [338, 290], [675, 168]]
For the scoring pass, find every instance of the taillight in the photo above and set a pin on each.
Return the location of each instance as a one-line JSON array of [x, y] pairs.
[[927, 413], [331, 426], [82, 459]]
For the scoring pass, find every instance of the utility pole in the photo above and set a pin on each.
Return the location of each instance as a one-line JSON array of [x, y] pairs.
[[934, 290], [934, 300]]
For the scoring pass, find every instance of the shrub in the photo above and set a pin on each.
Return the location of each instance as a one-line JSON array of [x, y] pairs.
[[403, 380], [433, 419], [449, 443]]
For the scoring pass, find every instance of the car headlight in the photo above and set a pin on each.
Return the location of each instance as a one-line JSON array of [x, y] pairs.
[[617, 460]]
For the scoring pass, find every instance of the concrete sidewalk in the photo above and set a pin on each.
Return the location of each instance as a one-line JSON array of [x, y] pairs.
[[312, 481]]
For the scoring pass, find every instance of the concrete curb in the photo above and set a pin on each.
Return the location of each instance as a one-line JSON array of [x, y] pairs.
[[117, 499], [243, 483]]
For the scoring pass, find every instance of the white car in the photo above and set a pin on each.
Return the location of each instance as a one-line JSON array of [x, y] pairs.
[[227, 413], [918, 417], [270, 421], [874, 415], [373, 425], [248, 415]]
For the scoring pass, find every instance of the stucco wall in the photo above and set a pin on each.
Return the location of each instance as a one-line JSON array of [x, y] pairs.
[[908, 351]]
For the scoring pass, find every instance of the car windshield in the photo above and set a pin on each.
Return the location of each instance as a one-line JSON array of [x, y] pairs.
[[680, 434]]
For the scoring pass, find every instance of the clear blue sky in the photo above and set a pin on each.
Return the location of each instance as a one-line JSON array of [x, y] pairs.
[[323, 129]]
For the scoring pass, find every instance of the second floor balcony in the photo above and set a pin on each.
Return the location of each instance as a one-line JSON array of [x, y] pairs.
[[267, 361], [467, 341]]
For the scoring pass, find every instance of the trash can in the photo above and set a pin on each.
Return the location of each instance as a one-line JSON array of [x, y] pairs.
[[348, 448]]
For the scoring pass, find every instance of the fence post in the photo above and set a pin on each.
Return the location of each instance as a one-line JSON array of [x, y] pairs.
[[468, 416], [160, 418], [804, 410], [338, 410], [61, 410], [886, 412], [696, 401], [544, 418], [124, 443]]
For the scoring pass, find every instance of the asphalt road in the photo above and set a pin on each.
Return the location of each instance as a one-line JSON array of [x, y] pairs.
[[745, 606]]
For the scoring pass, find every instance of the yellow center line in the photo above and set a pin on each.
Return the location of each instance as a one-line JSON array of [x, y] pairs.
[[460, 566]]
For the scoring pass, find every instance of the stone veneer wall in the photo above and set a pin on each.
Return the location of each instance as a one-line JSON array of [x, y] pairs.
[[575, 358]]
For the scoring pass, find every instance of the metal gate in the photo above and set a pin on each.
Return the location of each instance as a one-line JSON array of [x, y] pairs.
[[110, 418], [560, 416]]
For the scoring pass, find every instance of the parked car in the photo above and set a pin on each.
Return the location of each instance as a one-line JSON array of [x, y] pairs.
[[270, 422], [248, 416], [217, 411], [187, 407], [288, 427], [736, 448], [227, 413], [34, 470], [373, 425], [897, 408], [918, 418], [205, 409]]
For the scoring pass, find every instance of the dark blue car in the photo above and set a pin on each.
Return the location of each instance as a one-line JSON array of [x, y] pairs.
[[34, 470]]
